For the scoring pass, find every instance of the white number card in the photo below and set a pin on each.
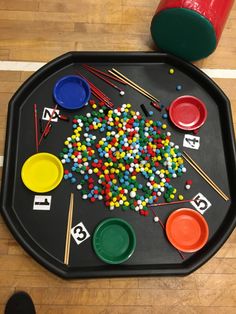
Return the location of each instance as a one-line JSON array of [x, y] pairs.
[[80, 233], [191, 141], [201, 203]]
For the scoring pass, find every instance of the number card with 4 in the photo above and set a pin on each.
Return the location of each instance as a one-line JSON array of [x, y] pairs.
[[191, 141], [80, 233], [201, 203]]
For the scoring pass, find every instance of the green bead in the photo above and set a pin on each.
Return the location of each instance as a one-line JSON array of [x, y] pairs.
[[125, 207], [65, 150]]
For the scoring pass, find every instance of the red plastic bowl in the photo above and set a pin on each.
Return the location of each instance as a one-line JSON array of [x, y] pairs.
[[188, 113]]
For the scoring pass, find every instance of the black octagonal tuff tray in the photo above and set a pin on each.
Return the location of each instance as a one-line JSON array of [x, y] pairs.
[[42, 233]]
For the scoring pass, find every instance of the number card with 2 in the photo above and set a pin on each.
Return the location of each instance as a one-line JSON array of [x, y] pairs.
[[47, 112], [80, 233], [201, 203]]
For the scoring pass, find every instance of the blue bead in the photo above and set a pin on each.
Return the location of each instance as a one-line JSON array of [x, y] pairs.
[[65, 176], [178, 87], [73, 180]]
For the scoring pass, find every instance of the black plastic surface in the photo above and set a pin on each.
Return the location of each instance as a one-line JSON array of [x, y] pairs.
[[42, 233]]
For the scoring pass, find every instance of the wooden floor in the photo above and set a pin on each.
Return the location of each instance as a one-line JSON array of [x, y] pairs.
[[32, 30]]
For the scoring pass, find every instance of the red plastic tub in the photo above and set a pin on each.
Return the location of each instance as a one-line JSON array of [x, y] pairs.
[[190, 29]]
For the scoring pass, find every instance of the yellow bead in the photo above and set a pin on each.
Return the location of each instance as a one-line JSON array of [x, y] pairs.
[[66, 142], [126, 203], [172, 196], [181, 197], [164, 126], [95, 170]]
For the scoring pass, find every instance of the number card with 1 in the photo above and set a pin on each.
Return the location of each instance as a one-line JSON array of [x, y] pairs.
[[80, 233], [201, 203], [42, 202], [191, 141]]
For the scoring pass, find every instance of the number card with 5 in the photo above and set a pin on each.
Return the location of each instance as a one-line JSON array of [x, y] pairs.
[[201, 203]]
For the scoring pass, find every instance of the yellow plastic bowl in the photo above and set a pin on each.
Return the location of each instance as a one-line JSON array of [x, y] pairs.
[[42, 172]]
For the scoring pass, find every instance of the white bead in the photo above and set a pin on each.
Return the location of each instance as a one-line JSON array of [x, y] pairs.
[[79, 187], [85, 196], [187, 187], [90, 171], [132, 194], [100, 197], [156, 219], [122, 93], [137, 208], [184, 169], [112, 207]]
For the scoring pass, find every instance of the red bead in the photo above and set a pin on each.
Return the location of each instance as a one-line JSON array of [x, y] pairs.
[[92, 102]]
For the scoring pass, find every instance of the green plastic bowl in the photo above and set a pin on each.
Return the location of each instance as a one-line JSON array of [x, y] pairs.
[[114, 241]]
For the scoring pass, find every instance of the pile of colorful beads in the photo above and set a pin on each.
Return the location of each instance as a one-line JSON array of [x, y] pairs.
[[122, 158]]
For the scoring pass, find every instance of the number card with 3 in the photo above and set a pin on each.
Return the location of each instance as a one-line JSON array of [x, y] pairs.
[[80, 233], [201, 203]]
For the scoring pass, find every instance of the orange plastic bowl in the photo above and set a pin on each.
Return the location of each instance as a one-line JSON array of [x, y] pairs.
[[187, 230]]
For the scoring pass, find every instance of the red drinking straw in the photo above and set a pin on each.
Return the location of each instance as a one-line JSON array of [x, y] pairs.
[[105, 74], [170, 203], [47, 125], [163, 227], [103, 78], [36, 127], [98, 93]]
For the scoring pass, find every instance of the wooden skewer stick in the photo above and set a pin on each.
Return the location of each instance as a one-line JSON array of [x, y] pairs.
[[141, 92], [204, 176], [68, 235], [136, 85]]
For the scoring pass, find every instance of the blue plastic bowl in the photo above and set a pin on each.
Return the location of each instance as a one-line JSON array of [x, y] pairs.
[[71, 92]]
